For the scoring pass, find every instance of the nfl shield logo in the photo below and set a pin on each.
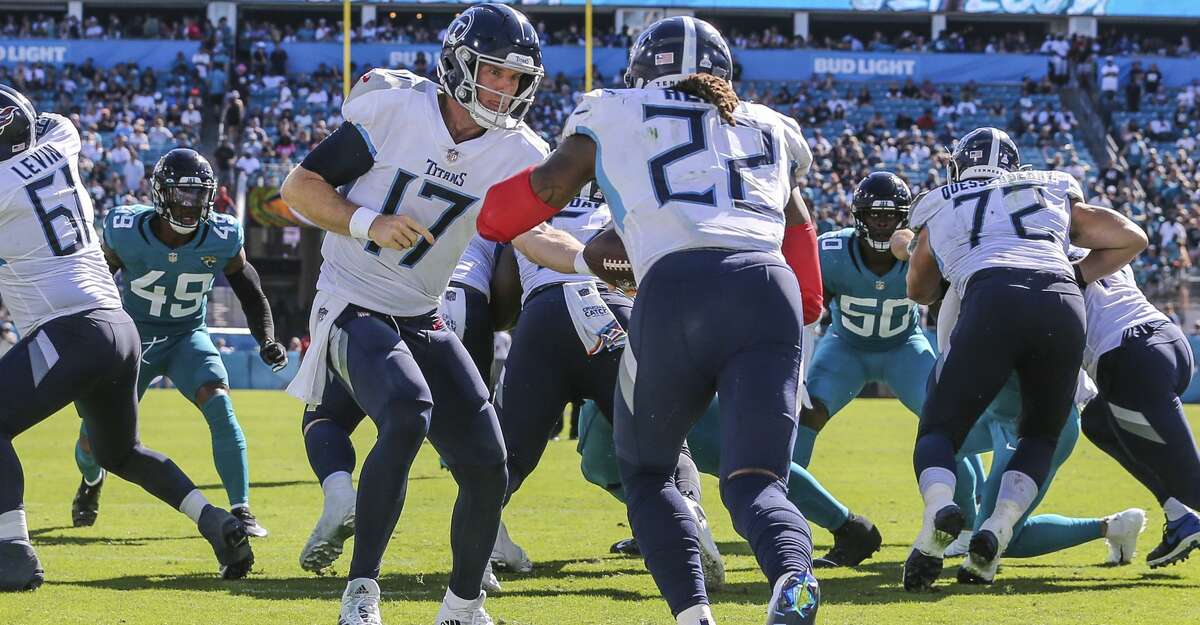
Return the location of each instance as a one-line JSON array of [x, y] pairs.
[[880, 285], [452, 155], [208, 261], [172, 257]]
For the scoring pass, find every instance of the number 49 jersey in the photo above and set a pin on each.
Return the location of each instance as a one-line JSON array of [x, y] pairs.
[[166, 289], [1021, 219], [50, 260], [677, 177], [869, 311]]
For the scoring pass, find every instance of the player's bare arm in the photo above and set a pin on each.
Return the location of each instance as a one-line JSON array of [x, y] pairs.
[[110, 257], [532, 196], [1113, 239], [924, 276], [317, 200], [243, 279], [550, 247]]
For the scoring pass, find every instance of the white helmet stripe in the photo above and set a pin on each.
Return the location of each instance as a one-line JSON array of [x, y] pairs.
[[690, 46], [994, 156]]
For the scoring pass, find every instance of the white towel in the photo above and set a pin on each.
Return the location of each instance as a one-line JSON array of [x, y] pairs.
[[594, 322], [453, 309], [309, 383]]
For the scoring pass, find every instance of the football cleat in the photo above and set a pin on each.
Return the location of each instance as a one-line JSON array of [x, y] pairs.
[[983, 559], [626, 546], [20, 568], [856, 540], [229, 542], [1179, 538], [86, 505], [360, 603], [472, 614], [336, 524], [489, 582], [509, 555], [1123, 530], [959, 547], [924, 563], [710, 556], [794, 600], [249, 523]]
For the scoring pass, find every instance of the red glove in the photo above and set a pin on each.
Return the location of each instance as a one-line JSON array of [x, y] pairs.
[[511, 208], [800, 252]]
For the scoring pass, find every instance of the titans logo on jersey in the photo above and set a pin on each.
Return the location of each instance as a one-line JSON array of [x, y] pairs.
[[166, 289], [870, 311]]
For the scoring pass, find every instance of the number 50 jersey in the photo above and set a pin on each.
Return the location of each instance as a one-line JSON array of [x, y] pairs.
[[1021, 219], [50, 260], [677, 177]]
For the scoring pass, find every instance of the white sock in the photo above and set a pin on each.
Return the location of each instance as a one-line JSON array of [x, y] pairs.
[[238, 505], [454, 602], [338, 484], [698, 614], [193, 505], [103, 473], [1175, 510], [937, 488], [1017, 492], [12, 525]]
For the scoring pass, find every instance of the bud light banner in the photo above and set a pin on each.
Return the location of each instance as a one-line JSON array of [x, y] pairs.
[[156, 53]]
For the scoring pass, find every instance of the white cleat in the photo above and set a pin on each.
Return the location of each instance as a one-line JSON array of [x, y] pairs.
[[489, 582], [1123, 530], [983, 554], [336, 524], [471, 612], [959, 547], [710, 556], [360, 603], [509, 555]]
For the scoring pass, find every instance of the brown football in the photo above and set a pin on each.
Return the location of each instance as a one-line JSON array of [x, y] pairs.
[[605, 256]]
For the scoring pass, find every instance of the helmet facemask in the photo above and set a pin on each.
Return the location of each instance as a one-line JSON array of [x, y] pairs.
[[866, 223], [511, 109], [184, 206]]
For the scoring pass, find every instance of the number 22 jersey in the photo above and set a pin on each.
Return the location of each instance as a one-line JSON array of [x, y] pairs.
[[50, 260]]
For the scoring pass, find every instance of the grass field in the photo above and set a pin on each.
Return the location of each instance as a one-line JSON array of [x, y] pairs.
[[143, 564]]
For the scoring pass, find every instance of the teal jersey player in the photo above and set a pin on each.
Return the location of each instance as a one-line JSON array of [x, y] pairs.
[[169, 255]]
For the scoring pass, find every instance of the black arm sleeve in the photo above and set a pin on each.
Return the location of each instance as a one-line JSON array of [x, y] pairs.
[[248, 289], [341, 157]]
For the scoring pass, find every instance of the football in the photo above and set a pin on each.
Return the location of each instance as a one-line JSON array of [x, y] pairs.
[[605, 256]]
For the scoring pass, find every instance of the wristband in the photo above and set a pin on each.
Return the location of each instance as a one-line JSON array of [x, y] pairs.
[[360, 223], [581, 266]]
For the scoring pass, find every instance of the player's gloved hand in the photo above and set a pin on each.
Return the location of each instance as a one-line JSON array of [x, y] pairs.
[[273, 353], [398, 232]]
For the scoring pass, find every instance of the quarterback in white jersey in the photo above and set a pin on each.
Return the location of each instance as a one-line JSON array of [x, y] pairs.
[[78, 345], [414, 158], [999, 234], [702, 190]]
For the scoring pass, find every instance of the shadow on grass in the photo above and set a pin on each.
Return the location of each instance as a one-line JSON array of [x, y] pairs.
[[46, 537]]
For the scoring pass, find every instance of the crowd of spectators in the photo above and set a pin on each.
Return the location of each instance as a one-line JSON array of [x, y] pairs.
[[136, 26]]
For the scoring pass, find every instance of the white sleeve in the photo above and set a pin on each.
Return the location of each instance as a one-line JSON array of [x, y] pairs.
[[796, 148], [947, 317], [587, 116], [370, 114], [923, 209]]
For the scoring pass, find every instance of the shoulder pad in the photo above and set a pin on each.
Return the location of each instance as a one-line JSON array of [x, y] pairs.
[[378, 79]]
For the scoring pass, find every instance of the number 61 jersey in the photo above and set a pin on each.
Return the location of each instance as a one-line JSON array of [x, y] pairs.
[[677, 177], [1021, 219], [50, 260], [166, 289]]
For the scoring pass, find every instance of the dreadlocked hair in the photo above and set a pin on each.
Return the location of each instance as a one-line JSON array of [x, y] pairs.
[[716, 91]]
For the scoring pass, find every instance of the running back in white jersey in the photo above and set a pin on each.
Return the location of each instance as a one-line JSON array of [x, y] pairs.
[[421, 172], [1113, 304], [583, 218], [677, 177], [476, 265], [1021, 219], [50, 259]]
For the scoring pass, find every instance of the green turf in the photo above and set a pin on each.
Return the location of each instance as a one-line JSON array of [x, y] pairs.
[[143, 564]]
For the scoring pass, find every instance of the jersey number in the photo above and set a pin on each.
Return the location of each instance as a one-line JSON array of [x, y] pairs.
[[862, 322], [76, 220], [458, 203], [187, 300], [1017, 211], [696, 143]]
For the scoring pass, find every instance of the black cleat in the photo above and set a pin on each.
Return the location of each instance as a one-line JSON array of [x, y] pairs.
[[924, 563], [626, 546], [856, 540], [19, 566], [249, 523], [229, 542], [86, 505]]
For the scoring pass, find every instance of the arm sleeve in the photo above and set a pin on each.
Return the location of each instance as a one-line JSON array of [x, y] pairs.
[[510, 208], [248, 289], [800, 252], [343, 156], [797, 150]]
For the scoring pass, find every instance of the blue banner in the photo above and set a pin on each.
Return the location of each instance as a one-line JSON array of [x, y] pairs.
[[156, 53]]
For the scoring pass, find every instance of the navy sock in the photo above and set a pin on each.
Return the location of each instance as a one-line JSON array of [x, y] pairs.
[[1033, 458], [777, 532], [474, 524]]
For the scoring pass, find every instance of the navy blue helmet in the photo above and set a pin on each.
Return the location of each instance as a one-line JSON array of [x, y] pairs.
[[983, 153], [498, 35], [672, 48], [182, 188], [17, 118], [879, 196]]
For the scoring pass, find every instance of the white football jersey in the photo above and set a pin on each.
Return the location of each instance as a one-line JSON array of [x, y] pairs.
[[421, 172], [585, 217], [50, 259], [476, 265], [1021, 219], [677, 177], [1114, 304]]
